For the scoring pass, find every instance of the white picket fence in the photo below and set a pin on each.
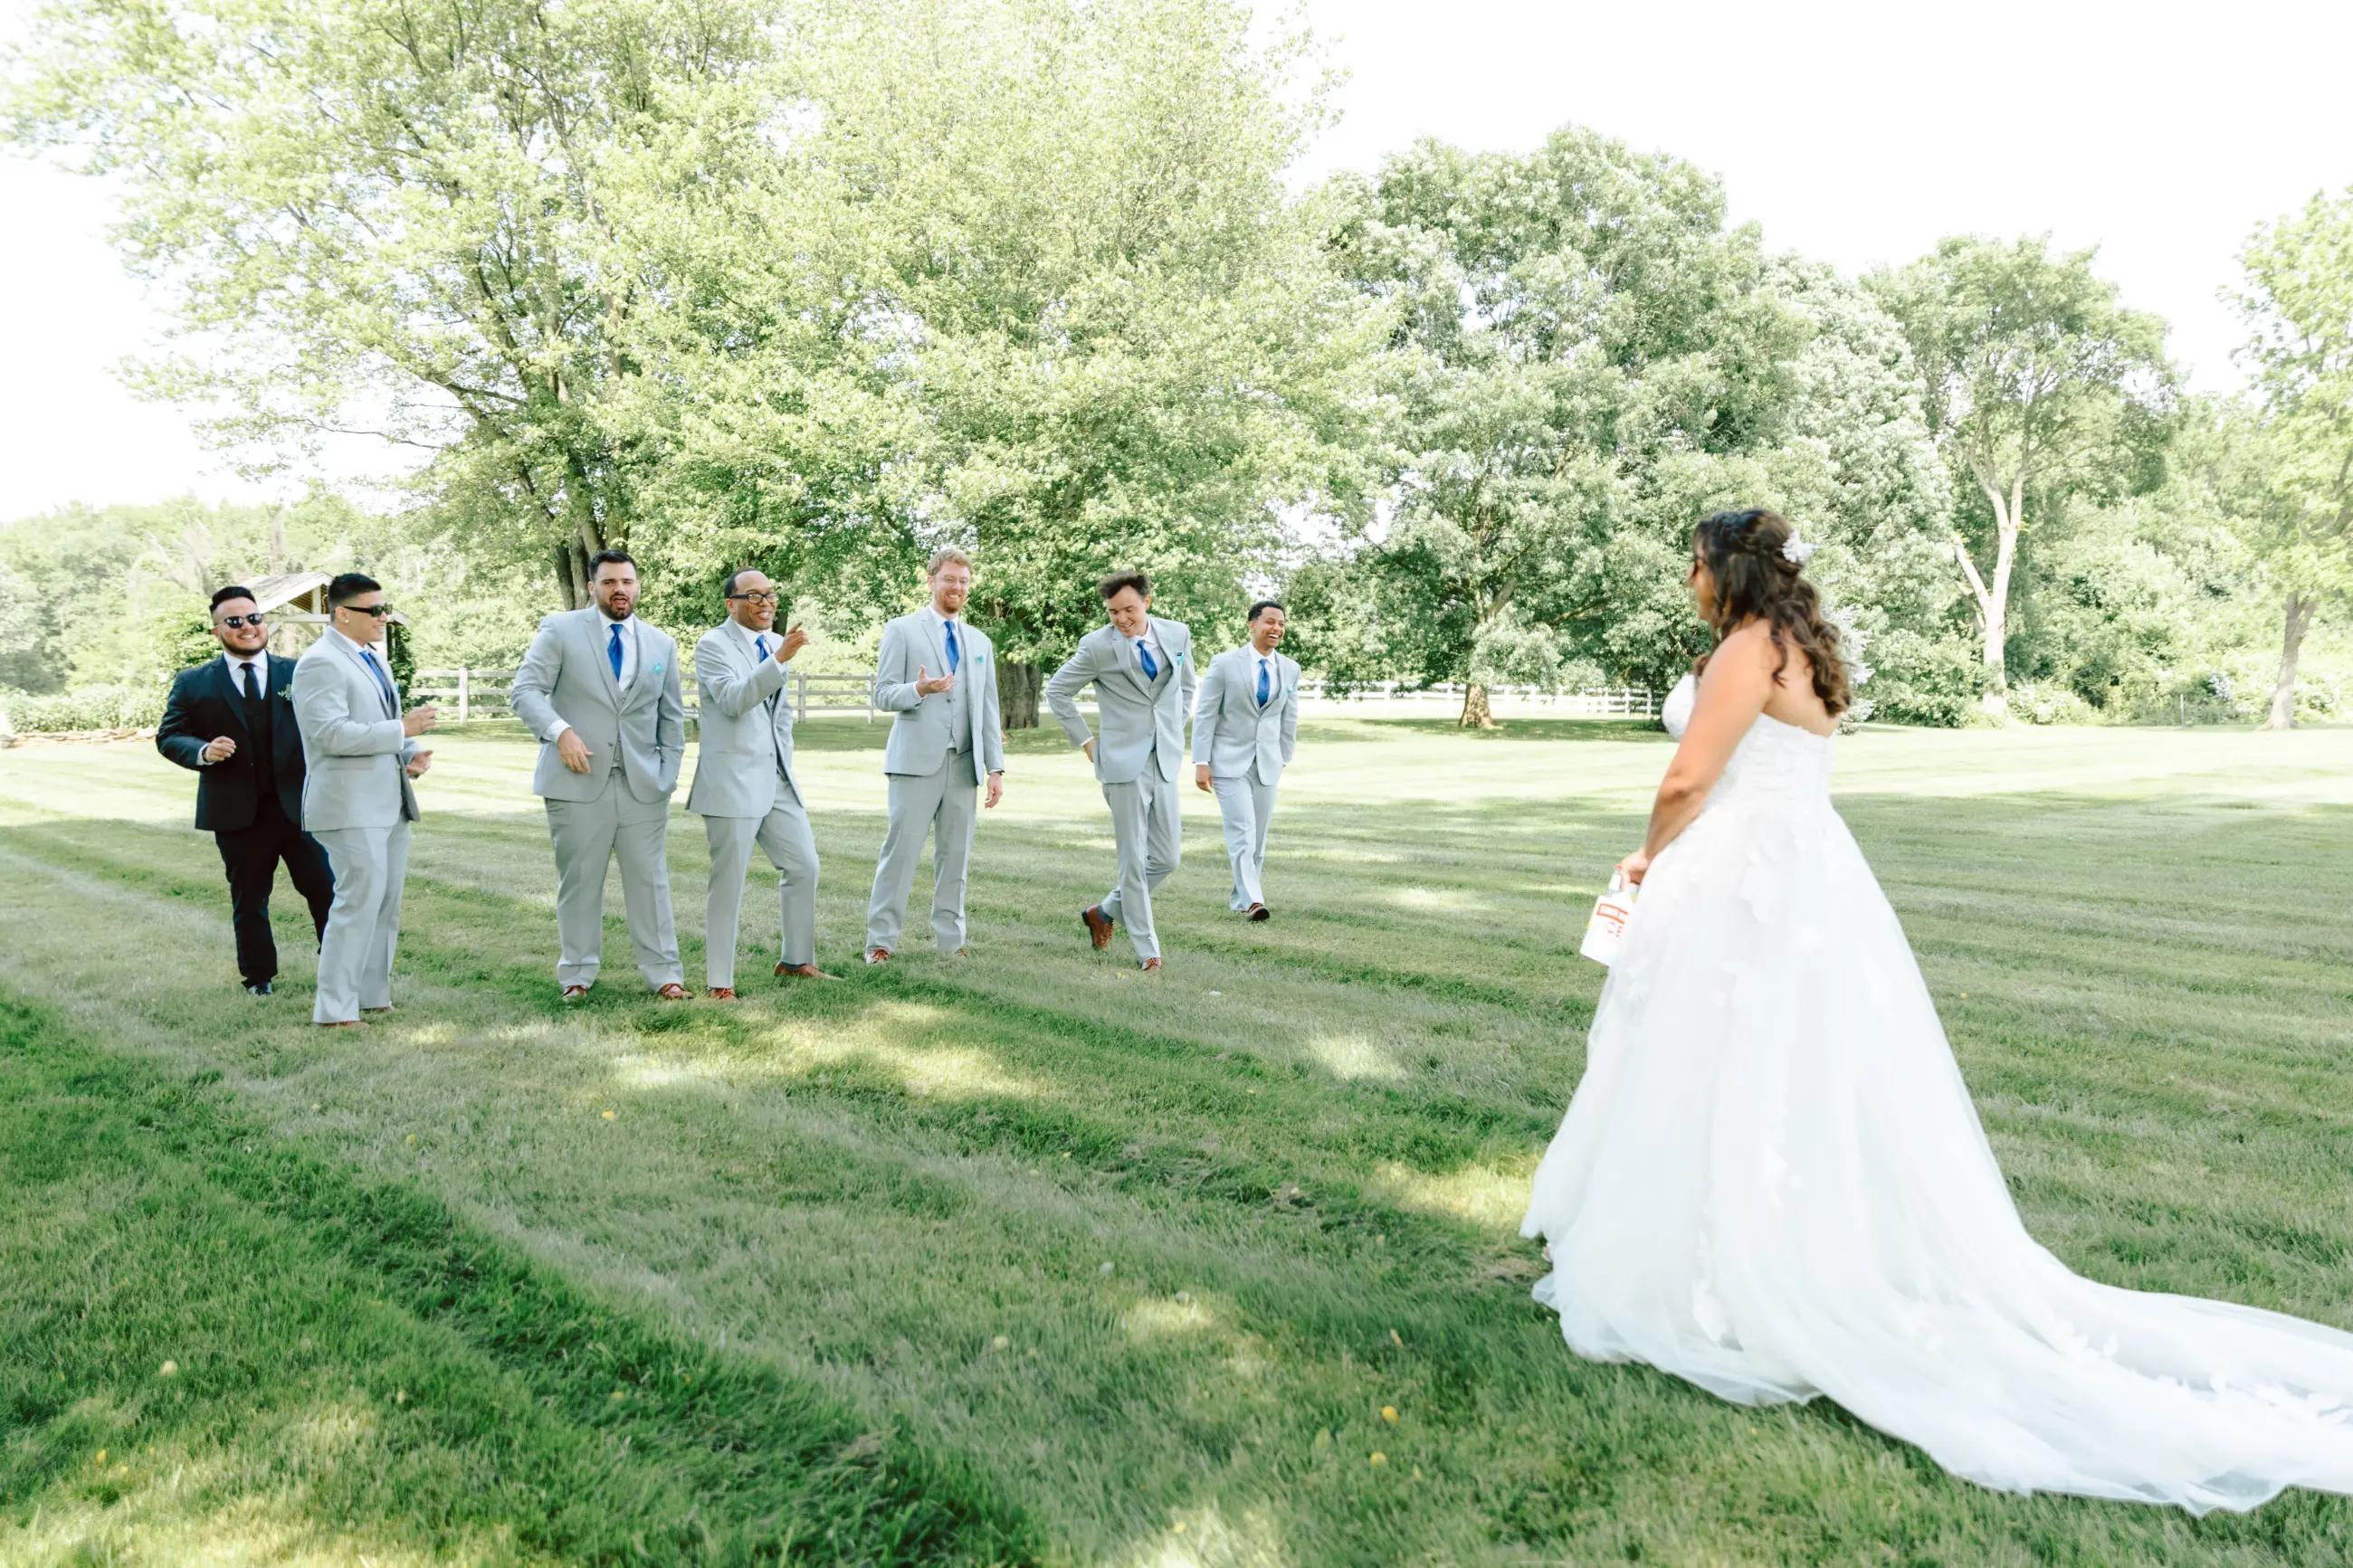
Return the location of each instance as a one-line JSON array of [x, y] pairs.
[[1592, 702], [465, 695]]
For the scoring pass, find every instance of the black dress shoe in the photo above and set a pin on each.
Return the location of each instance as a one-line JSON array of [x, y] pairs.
[[256, 987]]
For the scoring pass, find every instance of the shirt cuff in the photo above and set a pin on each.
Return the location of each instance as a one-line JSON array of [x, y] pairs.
[[555, 732]]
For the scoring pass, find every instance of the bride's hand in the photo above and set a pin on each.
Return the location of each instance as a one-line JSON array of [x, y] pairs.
[[1634, 867]]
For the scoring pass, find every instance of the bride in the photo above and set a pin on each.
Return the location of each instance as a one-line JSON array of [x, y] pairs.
[[1772, 1183]]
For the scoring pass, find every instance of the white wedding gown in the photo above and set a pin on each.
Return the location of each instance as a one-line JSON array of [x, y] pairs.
[[1772, 1181]]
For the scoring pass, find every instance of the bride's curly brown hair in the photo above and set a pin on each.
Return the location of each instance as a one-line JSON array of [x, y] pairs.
[[1754, 582]]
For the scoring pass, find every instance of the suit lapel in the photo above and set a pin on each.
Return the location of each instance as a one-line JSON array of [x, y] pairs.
[[938, 640], [1168, 659], [225, 680], [1123, 658], [599, 640], [357, 657]]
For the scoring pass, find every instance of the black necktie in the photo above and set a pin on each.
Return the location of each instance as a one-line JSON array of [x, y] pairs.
[[250, 682]]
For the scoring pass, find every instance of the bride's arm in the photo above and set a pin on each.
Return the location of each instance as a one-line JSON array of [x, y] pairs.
[[1732, 690]]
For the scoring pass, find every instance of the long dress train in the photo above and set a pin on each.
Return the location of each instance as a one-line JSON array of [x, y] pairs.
[[1772, 1181]]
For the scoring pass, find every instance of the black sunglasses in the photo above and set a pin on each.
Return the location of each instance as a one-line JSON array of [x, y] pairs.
[[378, 611], [234, 622]]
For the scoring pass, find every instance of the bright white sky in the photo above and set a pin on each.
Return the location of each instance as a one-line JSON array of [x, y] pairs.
[[1856, 133]]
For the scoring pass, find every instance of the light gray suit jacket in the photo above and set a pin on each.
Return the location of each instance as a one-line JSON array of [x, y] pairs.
[[353, 745], [920, 738], [746, 740], [568, 678], [1231, 732], [1135, 717]]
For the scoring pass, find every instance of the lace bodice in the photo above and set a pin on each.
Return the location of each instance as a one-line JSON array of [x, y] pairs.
[[1773, 758]]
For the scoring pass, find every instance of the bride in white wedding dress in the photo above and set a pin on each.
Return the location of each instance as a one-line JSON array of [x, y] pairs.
[[1772, 1181]]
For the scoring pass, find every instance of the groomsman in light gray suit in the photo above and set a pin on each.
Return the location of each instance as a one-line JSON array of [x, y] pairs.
[[359, 752], [600, 688], [938, 676], [1244, 732], [1142, 669], [745, 787]]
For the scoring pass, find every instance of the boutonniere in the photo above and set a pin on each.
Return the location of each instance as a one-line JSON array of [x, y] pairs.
[[657, 668]]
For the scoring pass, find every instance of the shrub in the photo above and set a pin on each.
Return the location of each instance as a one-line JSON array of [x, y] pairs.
[[86, 708], [2037, 704]]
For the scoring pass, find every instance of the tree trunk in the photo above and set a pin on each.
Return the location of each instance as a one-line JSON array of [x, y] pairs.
[[1017, 684], [1995, 699], [571, 575], [2299, 621], [1476, 714], [1994, 598]]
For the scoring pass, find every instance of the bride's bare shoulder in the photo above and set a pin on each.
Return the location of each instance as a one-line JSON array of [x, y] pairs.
[[1747, 647]]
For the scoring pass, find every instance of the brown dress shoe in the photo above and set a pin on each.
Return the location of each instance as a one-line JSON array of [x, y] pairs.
[[1257, 912], [802, 972], [1150, 966], [1099, 926], [385, 1008], [673, 992], [878, 955], [723, 993], [340, 1024], [574, 992]]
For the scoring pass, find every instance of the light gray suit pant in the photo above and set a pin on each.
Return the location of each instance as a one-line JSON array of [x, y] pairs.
[[1247, 806], [588, 835], [943, 803], [371, 864], [791, 847], [1150, 837]]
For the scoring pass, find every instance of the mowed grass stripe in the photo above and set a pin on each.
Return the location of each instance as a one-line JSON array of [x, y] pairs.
[[352, 1369], [865, 1186]]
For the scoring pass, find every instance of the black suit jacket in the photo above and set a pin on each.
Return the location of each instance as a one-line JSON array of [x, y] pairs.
[[205, 703]]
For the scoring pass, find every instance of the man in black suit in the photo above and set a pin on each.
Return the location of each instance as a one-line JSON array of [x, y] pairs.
[[232, 719]]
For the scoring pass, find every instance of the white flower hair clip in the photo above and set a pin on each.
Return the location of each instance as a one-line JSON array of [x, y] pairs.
[[1796, 551]]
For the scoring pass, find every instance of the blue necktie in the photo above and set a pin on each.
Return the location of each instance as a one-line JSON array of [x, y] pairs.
[[384, 682], [757, 641], [1261, 683], [956, 655], [613, 650], [1151, 670]]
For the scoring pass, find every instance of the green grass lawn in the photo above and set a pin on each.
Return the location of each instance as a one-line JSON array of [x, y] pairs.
[[1034, 1258]]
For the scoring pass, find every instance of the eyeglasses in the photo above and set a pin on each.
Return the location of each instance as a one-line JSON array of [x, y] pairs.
[[234, 622], [755, 599], [378, 611]]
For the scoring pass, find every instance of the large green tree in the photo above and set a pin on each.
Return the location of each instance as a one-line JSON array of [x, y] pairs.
[[2297, 458], [1119, 341], [1585, 360], [401, 220], [806, 284], [2040, 387]]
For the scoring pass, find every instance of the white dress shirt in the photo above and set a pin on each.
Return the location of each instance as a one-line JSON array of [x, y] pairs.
[[368, 649], [628, 624], [751, 639], [258, 662], [604, 625], [1135, 657]]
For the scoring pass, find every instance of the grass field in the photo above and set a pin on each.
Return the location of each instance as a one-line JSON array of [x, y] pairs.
[[1031, 1258]]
